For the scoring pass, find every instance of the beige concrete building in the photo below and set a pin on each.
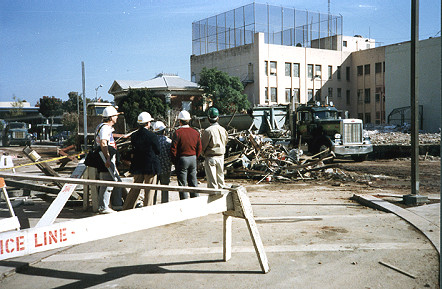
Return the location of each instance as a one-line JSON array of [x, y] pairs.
[[304, 60], [397, 83]]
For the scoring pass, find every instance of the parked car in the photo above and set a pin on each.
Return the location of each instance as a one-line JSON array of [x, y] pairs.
[[61, 136]]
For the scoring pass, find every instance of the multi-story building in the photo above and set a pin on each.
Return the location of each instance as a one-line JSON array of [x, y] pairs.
[[284, 55], [281, 55]]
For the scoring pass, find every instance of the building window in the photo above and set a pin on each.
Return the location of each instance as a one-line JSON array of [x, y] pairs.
[[359, 95], [273, 68], [266, 68], [367, 95], [378, 94], [360, 116], [338, 73], [378, 67], [384, 67], [310, 70], [347, 97], [360, 70], [296, 97], [318, 95], [378, 117], [330, 93], [273, 93], [193, 77], [266, 95], [330, 72], [318, 71], [344, 43], [288, 69], [367, 69], [310, 95], [367, 118], [288, 94], [295, 69], [339, 92], [347, 73]]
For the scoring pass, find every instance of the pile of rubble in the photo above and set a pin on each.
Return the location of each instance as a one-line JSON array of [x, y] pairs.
[[255, 156], [398, 135]]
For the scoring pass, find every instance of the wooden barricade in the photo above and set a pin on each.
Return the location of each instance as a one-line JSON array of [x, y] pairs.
[[49, 235]]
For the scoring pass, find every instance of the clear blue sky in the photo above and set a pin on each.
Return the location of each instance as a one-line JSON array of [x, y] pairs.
[[44, 42]]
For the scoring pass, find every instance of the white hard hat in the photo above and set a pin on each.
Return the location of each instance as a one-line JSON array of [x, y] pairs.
[[184, 115], [110, 111], [158, 126], [144, 117]]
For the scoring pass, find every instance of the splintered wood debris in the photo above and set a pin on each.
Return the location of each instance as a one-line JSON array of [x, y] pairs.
[[255, 156]]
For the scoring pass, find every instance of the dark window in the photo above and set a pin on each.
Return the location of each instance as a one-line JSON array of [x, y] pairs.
[[344, 43], [338, 73], [347, 97], [378, 67], [330, 92], [367, 95], [360, 70], [347, 73], [330, 72], [367, 118], [318, 95], [367, 68], [339, 92]]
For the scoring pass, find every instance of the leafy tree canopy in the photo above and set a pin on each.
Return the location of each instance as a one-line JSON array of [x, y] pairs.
[[138, 101], [50, 106], [70, 105], [224, 91]]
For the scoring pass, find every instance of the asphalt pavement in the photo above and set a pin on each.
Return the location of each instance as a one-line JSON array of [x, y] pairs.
[[314, 237]]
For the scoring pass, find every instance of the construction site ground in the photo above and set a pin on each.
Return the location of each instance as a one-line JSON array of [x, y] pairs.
[[314, 234]]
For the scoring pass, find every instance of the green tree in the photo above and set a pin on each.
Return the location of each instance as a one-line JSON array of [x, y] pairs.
[[224, 91], [138, 101], [70, 105], [17, 107], [50, 106]]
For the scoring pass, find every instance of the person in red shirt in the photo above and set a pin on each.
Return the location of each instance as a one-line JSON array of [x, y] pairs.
[[185, 149]]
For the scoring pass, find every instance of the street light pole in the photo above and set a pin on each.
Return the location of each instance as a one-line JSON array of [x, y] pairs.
[[96, 91]]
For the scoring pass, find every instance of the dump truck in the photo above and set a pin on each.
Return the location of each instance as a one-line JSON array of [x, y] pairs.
[[16, 133], [94, 112], [323, 126]]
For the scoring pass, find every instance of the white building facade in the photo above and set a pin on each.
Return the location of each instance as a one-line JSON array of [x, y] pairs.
[[300, 62]]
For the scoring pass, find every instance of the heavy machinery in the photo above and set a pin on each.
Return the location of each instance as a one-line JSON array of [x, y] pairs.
[[322, 127]]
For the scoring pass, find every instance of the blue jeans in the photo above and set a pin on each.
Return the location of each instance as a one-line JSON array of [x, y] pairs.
[[186, 175]]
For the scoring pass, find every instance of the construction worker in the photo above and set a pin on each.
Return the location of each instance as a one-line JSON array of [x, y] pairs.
[[145, 165], [105, 140], [214, 140], [185, 149], [165, 142]]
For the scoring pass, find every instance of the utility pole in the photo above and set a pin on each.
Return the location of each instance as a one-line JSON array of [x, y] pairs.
[[84, 106], [414, 198]]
